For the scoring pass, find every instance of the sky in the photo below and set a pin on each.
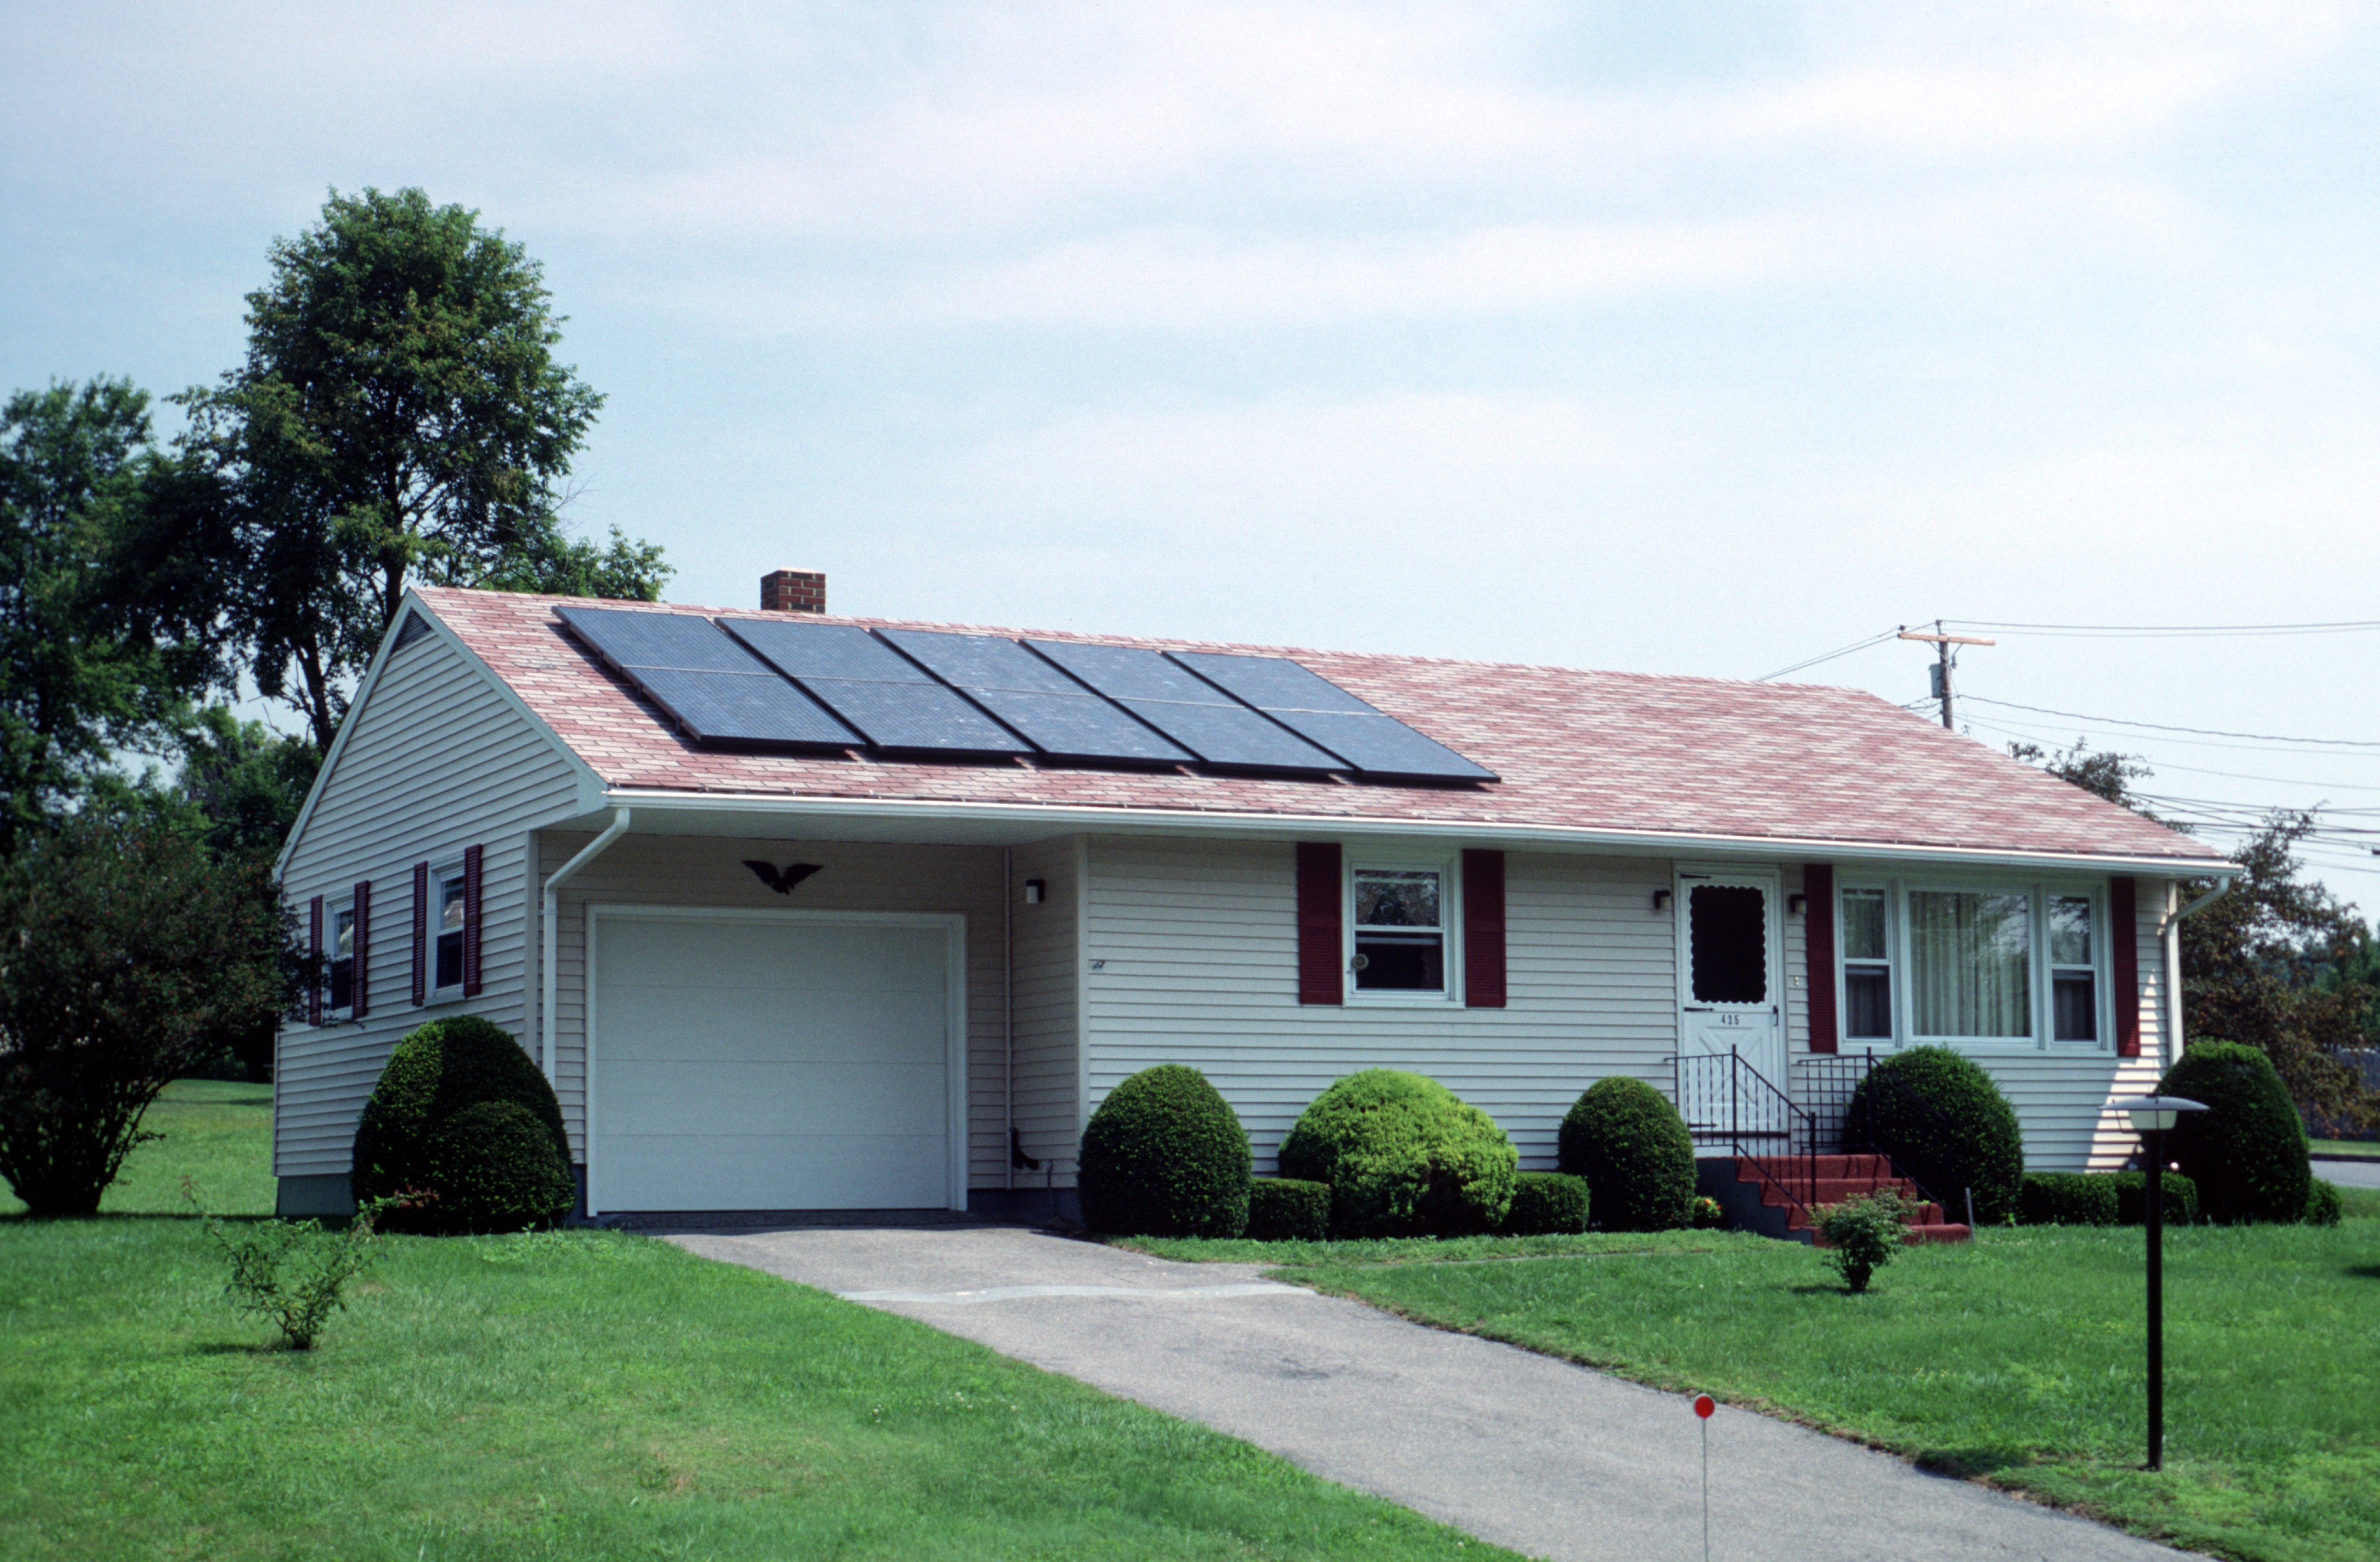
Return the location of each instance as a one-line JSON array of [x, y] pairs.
[[1700, 340]]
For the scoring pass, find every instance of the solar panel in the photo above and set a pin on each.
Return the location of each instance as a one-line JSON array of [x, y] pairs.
[[1053, 712], [1193, 712], [892, 702], [1372, 741], [706, 682]]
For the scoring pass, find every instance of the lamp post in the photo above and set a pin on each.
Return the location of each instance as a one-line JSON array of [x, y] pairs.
[[2152, 1116]]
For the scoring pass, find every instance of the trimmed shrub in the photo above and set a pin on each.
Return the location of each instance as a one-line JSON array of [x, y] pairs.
[[2132, 1203], [487, 1173], [1165, 1157], [1403, 1156], [1634, 1150], [1946, 1124], [2247, 1151], [1544, 1202], [1708, 1215], [1288, 1209], [2324, 1206], [2067, 1198]]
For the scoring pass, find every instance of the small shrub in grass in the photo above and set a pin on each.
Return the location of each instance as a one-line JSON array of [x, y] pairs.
[[1945, 1124], [1708, 1215], [1634, 1150], [2324, 1206], [1862, 1234], [2067, 1198], [1405, 1158], [2132, 1203], [428, 1125], [293, 1273], [1165, 1157], [1544, 1204], [1288, 1209], [2247, 1151]]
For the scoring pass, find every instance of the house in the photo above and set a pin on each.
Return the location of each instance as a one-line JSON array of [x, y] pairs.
[[801, 911]]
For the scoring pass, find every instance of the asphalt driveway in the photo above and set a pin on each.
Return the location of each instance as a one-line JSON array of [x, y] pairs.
[[1548, 1458]]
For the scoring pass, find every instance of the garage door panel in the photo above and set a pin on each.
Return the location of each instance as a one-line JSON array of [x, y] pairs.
[[746, 1063], [693, 1025], [743, 1098], [755, 1171]]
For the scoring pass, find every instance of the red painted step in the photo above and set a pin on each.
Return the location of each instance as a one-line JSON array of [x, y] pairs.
[[1841, 1178]]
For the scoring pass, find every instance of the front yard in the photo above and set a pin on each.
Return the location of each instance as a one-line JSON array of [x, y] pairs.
[[2016, 1358], [578, 1395]]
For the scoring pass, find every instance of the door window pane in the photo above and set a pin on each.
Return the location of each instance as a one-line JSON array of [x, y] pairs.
[[1970, 965], [1726, 931], [1400, 932]]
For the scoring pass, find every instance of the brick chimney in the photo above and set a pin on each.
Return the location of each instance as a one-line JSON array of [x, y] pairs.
[[793, 591]]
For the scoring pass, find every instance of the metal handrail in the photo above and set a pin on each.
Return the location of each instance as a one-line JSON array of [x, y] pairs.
[[1771, 1105]]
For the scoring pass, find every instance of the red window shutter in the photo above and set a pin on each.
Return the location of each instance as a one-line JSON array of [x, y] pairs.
[[1482, 929], [1818, 945], [1321, 939], [315, 972], [362, 978], [2124, 968], [421, 934], [471, 858]]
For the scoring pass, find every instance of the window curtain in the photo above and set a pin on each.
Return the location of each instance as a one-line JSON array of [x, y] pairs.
[[1971, 958]]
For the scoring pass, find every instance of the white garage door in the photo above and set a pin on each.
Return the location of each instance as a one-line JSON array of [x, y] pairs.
[[771, 1064]]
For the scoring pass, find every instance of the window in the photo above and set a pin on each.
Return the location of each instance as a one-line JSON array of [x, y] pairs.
[[1867, 967], [1400, 930], [1727, 935], [1971, 964], [2073, 979], [343, 961], [450, 932]]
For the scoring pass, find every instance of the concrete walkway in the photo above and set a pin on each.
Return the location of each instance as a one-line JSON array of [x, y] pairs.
[[1534, 1454]]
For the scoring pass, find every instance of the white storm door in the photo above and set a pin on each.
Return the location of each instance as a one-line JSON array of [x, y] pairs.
[[772, 1060], [1729, 999]]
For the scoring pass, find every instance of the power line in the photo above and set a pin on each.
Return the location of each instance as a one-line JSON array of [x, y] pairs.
[[2158, 726], [1855, 646], [2158, 631]]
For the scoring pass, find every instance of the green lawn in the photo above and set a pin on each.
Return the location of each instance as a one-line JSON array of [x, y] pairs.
[[2359, 1148], [577, 1395], [2016, 1358], [218, 1132]]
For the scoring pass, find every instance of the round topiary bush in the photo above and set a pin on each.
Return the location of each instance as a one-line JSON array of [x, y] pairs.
[[1404, 1156], [1545, 1204], [2247, 1151], [1944, 1122], [1634, 1150], [1165, 1157], [488, 1171]]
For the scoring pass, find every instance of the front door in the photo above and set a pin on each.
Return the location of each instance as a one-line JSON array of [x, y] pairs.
[[1729, 1002]]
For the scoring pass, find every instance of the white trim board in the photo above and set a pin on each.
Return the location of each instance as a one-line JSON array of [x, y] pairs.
[[954, 926]]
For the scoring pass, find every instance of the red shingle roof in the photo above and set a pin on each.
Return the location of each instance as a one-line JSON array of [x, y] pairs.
[[1576, 751]]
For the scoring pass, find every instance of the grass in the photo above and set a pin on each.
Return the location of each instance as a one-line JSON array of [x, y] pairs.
[[580, 1395], [218, 1132], [2016, 1359], [2358, 1148]]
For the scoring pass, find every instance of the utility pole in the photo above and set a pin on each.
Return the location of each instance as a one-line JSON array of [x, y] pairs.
[[1942, 644]]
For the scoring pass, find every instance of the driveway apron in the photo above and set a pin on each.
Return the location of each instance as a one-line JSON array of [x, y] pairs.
[[1548, 1458]]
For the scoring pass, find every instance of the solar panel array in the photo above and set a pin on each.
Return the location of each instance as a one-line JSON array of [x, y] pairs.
[[804, 683]]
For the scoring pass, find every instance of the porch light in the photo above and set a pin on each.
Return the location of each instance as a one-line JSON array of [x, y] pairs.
[[2152, 1116]]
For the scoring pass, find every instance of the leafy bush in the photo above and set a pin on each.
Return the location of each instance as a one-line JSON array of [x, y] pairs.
[[1286, 1209], [1403, 1156], [1708, 1215], [1544, 1202], [420, 1131], [2131, 1201], [1634, 1150], [127, 956], [2067, 1198], [1165, 1157], [2324, 1205], [1946, 1124], [1862, 1234], [2247, 1151], [293, 1272]]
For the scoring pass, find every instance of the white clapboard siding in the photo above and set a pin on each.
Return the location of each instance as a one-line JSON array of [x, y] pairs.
[[434, 760], [1199, 943], [1048, 995], [678, 870]]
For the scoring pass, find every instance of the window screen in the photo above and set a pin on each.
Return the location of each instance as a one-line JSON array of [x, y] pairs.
[[1400, 931], [1726, 930]]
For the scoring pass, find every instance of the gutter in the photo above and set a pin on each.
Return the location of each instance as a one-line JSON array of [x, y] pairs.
[[548, 924], [2171, 931]]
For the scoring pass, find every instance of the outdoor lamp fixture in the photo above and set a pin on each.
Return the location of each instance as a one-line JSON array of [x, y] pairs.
[[2152, 1116]]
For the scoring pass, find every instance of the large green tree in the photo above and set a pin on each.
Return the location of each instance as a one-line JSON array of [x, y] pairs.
[[399, 418]]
